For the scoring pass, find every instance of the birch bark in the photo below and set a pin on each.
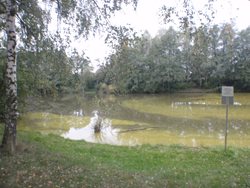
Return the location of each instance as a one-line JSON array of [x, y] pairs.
[[9, 137]]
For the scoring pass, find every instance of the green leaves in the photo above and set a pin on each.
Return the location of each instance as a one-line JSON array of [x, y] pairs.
[[211, 56], [147, 65]]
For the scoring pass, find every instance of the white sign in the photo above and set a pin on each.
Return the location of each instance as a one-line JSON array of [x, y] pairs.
[[227, 91], [227, 97]]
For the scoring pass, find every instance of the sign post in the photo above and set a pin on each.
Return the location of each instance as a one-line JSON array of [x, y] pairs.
[[227, 98]]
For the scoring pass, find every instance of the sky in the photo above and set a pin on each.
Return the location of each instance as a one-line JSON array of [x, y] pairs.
[[146, 17]]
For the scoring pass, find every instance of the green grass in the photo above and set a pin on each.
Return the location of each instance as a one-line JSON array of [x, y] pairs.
[[51, 161]]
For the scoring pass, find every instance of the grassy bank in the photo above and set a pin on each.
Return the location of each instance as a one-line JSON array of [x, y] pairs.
[[51, 161]]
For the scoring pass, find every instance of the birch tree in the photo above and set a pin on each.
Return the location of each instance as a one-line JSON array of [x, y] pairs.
[[9, 137]]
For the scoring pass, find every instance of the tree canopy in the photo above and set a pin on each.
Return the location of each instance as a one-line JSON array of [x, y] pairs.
[[211, 57]]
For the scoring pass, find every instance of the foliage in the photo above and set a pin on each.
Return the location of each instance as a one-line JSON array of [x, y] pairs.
[[50, 71], [43, 63], [207, 58], [242, 60]]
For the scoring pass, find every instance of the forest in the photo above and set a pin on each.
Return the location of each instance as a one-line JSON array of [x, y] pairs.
[[208, 57]]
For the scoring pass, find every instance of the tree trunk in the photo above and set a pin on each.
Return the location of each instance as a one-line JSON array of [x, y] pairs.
[[9, 137]]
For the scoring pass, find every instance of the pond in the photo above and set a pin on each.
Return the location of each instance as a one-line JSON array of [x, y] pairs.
[[190, 119]]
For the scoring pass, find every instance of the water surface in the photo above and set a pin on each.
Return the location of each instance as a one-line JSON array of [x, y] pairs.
[[186, 119]]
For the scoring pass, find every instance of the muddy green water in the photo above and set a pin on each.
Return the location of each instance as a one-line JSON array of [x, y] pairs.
[[185, 119]]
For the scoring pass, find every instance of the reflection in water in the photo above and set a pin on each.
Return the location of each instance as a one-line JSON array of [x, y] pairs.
[[191, 120], [107, 134], [78, 112]]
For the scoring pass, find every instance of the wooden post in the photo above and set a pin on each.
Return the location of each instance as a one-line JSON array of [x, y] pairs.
[[226, 129]]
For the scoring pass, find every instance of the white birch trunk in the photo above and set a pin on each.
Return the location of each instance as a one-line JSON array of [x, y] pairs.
[[9, 137]]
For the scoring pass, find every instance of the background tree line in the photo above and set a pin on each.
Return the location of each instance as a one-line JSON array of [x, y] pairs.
[[205, 57]]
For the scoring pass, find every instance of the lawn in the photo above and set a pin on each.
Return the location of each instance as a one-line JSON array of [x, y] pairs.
[[51, 161]]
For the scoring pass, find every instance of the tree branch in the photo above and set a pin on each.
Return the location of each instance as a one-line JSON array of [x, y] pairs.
[[24, 25], [105, 17], [2, 7]]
